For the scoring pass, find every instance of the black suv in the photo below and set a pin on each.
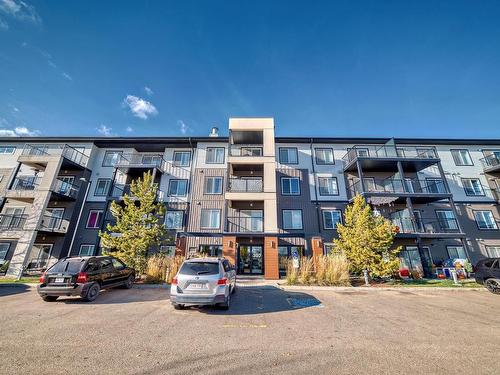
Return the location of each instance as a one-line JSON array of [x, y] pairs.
[[487, 272], [84, 277]]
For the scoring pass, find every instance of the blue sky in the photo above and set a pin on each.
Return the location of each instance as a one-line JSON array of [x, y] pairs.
[[332, 68]]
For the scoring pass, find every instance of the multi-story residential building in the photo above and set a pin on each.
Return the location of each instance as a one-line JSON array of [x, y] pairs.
[[252, 197]]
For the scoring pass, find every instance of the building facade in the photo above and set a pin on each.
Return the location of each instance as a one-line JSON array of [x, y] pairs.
[[252, 197]]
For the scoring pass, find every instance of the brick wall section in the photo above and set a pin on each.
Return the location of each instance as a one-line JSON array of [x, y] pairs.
[[271, 265], [229, 248]]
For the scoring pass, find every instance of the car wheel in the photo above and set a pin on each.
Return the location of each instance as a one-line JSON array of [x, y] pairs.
[[50, 298], [493, 285], [225, 305], [178, 307], [129, 283], [92, 293]]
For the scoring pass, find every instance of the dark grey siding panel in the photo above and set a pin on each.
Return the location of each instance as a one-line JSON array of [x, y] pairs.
[[84, 235]]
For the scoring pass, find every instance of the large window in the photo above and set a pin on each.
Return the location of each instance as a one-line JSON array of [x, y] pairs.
[[447, 220], [182, 158], [292, 219], [331, 218], [461, 157], [94, 219], [86, 250], [7, 149], [4, 249], [174, 219], [290, 186], [211, 250], [215, 155], [456, 252], [324, 156], [210, 219], [485, 220], [111, 158], [102, 187], [328, 186], [213, 185], [177, 188], [434, 186], [472, 186], [288, 155], [492, 251]]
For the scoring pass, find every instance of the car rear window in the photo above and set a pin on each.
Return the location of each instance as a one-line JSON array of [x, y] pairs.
[[68, 265], [199, 268]]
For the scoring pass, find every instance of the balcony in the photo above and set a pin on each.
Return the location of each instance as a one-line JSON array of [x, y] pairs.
[[23, 188], [12, 222], [245, 150], [38, 155], [53, 224], [428, 228], [385, 158], [65, 190], [120, 190], [245, 224], [140, 162], [421, 191], [245, 185], [491, 163]]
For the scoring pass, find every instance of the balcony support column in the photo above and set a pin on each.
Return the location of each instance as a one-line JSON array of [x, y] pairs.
[[360, 175]]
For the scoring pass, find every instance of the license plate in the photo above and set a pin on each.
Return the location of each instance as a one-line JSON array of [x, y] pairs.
[[59, 279], [197, 286]]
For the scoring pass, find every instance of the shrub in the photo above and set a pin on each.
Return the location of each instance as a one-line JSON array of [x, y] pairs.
[[330, 270], [4, 267], [162, 268]]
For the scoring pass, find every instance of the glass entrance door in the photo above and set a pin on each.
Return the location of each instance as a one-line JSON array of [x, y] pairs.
[[250, 260]]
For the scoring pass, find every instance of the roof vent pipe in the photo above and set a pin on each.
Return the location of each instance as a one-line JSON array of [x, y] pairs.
[[214, 132]]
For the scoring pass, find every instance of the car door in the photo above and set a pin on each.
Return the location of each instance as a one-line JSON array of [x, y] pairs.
[[107, 272], [229, 271], [495, 269]]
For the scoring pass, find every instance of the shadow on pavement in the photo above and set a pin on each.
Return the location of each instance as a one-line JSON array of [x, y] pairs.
[[118, 296], [250, 300], [7, 290]]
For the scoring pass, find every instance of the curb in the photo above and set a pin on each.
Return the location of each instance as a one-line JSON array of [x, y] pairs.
[[376, 289]]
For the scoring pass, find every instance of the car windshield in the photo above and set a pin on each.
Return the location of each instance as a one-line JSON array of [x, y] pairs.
[[68, 265], [199, 268]]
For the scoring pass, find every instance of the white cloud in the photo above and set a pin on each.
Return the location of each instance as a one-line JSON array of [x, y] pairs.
[[20, 131], [139, 107], [105, 131], [148, 91], [3, 25], [67, 76], [20, 11], [129, 129], [184, 129]]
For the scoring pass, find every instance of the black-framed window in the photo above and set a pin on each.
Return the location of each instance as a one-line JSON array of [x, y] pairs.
[[4, 250], [102, 187], [292, 219], [324, 156], [288, 155], [182, 158], [174, 219], [331, 217], [213, 185], [461, 157], [210, 219], [215, 155], [328, 186], [447, 219], [177, 188], [94, 219], [472, 186], [290, 186], [111, 158], [456, 252], [485, 219]]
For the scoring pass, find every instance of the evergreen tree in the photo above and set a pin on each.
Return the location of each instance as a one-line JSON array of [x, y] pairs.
[[366, 240], [137, 227]]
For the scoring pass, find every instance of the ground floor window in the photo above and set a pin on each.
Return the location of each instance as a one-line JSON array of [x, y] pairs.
[[456, 252], [211, 250], [168, 250], [39, 257], [410, 260], [86, 250], [285, 254], [491, 251], [4, 250]]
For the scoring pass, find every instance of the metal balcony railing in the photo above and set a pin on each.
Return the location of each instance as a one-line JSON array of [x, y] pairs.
[[12, 222], [492, 160], [381, 152], [26, 183], [141, 160], [53, 223], [245, 150], [119, 190], [65, 188], [245, 224], [244, 185], [67, 151], [398, 186], [429, 226]]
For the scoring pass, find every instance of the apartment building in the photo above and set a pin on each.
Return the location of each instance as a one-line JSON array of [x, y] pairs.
[[251, 196]]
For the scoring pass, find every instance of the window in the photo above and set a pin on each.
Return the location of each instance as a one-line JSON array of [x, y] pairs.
[[472, 186], [168, 250], [106, 264], [292, 219], [288, 155], [461, 157], [102, 187], [174, 219], [213, 185], [177, 188], [111, 158], [211, 250], [251, 151], [182, 158], [4, 249], [210, 219], [362, 152], [215, 155], [324, 156], [434, 186], [7, 149], [331, 218], [94, 219], [290, 186], [492, 251], [328, 186], [86, 250], [446, 219], [485, 220], [118, 264], [456, 252]]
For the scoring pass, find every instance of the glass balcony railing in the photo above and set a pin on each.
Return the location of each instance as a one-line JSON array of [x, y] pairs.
[[65, 188], [398, 186], [245, 150], [70, 153], [119, 190], [429, 226], [245, 224], [244, 185], [53, 223], [12, 222], [22, 183], [140, 160], [385, 152], [490, 161]]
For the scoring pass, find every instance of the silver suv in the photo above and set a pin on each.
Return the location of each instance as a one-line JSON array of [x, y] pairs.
[[203, 281]]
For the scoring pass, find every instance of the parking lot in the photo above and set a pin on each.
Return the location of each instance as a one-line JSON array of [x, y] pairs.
[[266, 330]]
